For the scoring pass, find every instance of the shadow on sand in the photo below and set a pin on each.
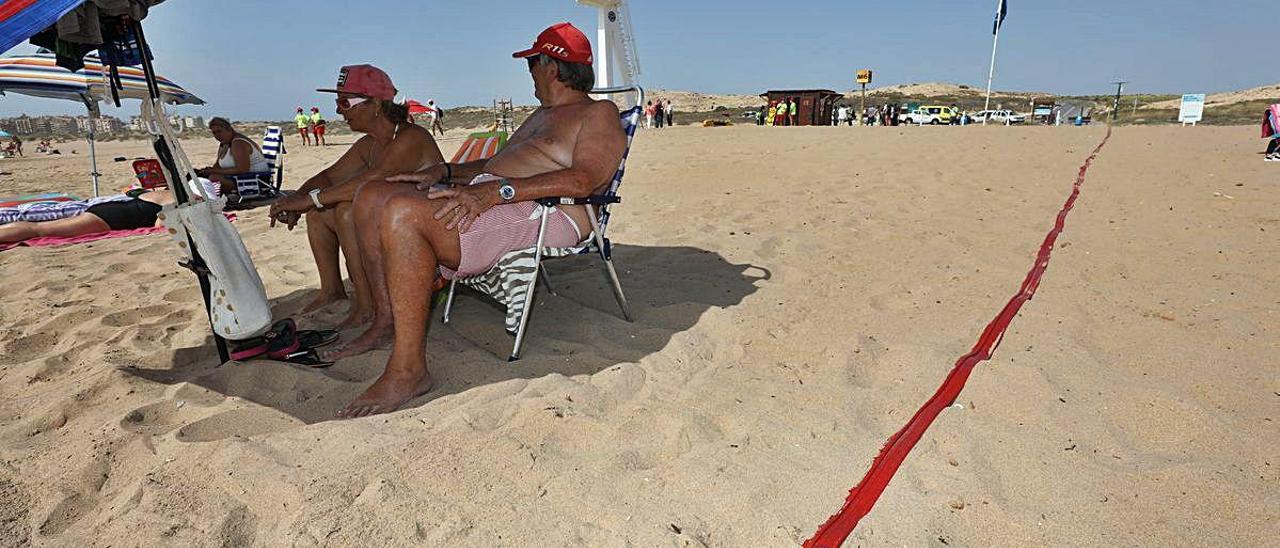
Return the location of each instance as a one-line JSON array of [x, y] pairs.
[[579, 331]]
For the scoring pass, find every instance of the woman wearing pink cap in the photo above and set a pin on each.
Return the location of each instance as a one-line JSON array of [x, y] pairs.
[[391, 145]]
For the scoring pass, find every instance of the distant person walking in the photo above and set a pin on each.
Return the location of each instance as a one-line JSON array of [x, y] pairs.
[[670, 112], [793, 117], [771, 115], [304, 126], [1270, 130], [648, 114], [657, 114], [842, 115], [17, 145], [437, 117], [317, 126]]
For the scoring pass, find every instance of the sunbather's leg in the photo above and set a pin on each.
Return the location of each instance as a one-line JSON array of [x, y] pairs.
[[414, 243], [79, 225], [322, 233], [370, 203]]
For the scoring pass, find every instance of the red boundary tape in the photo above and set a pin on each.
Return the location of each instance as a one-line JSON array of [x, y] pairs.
[[863, 496]]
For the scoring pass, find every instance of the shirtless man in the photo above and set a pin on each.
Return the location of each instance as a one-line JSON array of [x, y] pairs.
[[570, 146], [391, 145]]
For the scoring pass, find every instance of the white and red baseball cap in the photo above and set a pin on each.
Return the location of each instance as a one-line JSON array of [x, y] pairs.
[[562, 41], [365, 80]]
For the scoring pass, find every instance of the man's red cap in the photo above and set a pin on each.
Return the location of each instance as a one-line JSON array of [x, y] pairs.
[[366, 80], [562, 41]]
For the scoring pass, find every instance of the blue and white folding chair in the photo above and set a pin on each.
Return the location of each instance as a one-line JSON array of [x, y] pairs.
[[513, 279], [261, 188]]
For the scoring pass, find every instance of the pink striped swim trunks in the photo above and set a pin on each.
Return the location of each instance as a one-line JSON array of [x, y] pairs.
[[505, 228]]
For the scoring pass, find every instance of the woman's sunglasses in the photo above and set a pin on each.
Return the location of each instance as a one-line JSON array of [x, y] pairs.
[[346, 103]]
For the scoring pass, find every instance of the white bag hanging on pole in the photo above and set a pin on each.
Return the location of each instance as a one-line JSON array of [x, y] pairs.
[[238, 307]]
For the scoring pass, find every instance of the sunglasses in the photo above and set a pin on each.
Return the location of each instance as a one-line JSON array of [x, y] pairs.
[[346, 103]]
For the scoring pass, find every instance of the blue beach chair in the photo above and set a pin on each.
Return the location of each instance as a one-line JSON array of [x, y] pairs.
[[262, 188], [513, 279]]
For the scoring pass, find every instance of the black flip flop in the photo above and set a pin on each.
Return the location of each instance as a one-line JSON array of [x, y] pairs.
[[316, 338], [308, 357]]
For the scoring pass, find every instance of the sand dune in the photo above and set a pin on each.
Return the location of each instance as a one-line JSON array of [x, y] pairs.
[[798, 292]]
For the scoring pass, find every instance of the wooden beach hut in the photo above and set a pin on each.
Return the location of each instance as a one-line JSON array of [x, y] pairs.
[[813, 106]]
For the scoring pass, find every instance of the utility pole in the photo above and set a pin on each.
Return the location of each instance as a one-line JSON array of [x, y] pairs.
[[1115, 109]]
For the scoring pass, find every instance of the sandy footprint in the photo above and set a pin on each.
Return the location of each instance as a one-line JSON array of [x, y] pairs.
[[29, 347], [136, 316], [237, 423]]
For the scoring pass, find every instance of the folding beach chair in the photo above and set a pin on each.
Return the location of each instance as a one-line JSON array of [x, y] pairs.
[[259, 189], [480, 146], [512, 280]]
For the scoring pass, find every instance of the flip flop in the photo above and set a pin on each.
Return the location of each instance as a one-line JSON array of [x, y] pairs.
[[258, 346], [308, 357], [313, 338], [283, 339]]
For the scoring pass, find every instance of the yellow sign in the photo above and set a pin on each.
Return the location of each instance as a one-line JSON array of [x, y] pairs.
[[864, 76]]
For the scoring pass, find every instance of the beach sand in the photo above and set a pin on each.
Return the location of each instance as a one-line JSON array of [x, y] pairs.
[[798, 293]]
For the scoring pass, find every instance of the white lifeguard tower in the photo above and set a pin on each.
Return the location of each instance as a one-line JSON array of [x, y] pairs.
[[615, 46]]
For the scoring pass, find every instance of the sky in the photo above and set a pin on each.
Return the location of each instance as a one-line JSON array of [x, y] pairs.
[[259, 59]]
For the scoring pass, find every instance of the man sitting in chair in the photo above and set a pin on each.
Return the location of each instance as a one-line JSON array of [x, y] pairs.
[[472, 214]]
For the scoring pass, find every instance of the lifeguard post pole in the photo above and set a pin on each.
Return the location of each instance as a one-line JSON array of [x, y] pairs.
[[615, 45]]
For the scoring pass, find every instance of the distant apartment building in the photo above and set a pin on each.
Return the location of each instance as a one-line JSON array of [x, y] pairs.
[[21, 125], [109, 124]]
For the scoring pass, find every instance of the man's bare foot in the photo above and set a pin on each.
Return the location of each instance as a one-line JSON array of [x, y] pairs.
[[388, 393], [355, 318], [323, 299], [375, 337]]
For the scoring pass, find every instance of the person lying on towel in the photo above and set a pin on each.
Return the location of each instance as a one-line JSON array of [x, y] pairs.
[[137, 209], [570, 146]]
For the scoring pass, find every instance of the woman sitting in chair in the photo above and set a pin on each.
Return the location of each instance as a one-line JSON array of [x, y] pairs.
[[237, 155]]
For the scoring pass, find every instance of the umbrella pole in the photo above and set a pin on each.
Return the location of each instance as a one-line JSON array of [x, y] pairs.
[[92, 105], [153, 110], [93, 161]]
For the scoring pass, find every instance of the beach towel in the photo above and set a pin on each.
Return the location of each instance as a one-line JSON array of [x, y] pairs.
[[48, 242], [31, 198]]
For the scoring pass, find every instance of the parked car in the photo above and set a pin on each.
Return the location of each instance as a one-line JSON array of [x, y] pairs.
[[999, 117], [931, 115]]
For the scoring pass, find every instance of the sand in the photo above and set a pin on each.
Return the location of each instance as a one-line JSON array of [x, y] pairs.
[[799, 292]]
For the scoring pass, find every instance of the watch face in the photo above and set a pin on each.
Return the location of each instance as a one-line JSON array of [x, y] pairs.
[[507, 192]]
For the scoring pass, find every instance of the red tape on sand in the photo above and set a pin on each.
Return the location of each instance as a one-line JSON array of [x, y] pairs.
[[863, 497]]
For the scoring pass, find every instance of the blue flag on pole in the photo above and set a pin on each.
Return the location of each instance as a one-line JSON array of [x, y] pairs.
[[1000, 13]]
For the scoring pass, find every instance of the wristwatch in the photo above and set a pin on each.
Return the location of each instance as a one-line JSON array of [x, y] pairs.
[[506, 191], [315, 197]]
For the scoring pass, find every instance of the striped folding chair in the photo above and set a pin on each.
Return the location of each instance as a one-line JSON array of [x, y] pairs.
[[513, 279], [262, 188], [480, 146]]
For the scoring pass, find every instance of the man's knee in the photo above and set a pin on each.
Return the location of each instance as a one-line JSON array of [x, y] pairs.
[[345, 212], [408, 212]]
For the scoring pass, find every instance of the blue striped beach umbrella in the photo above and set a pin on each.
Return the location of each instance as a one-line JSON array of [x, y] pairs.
[[39, 75]]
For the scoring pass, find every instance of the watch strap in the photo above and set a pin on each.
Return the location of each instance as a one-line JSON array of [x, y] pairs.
[[315, 198]]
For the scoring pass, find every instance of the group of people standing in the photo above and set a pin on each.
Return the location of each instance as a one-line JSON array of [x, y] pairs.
[[309, 125], [779, 113], [658, 114]]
